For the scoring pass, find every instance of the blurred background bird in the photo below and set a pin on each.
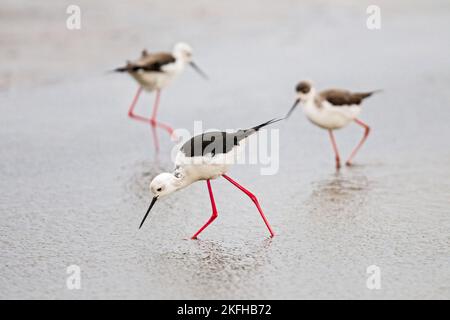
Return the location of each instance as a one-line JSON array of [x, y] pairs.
[[153, 72]]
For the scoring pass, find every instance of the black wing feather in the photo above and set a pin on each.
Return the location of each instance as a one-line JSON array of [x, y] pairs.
[[148, 62], [218, 142], [344, 98]]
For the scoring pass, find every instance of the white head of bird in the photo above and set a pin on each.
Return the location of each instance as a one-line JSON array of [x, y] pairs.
[[166, 183], [183, 52]]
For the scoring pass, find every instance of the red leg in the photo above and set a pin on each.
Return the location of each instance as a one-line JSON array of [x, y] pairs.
[[254, 199], [165, 127], [366, 134], [153, 121], [155, 106], [133, 105], [336, 152], [214, 211], [155, 138]]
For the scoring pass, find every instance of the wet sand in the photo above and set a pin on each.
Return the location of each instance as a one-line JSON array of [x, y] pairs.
[[75, 171]]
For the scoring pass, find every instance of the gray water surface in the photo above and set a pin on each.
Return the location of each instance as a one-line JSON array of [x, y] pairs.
[[75, 171]]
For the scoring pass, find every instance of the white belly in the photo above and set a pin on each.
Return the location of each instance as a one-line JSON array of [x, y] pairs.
[[206, 171], [330, 117], [198, 168], [208, 167], [153, 80]]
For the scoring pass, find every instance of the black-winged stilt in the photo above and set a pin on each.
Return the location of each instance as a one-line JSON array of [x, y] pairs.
[[205, 157], [153, 72], [332, 109]]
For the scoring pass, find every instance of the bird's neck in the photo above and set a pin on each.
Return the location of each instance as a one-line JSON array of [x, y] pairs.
[[179, 57], [180, 64], [186, 181], [309, 98]]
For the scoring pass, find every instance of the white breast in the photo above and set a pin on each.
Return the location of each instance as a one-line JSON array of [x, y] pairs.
[[328, 116], [157, 80], [207, 166]]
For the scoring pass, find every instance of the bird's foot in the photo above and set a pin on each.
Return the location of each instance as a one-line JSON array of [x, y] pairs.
[[132, 116], [348, 164], [169, 129], [175, 138]]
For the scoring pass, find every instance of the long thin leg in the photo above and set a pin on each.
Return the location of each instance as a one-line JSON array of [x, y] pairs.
[[155, 106], [155, 138], [133, 105], [143, 119], [214, 211], [366, 134], [255, 201], [153, 121], [336, 152]]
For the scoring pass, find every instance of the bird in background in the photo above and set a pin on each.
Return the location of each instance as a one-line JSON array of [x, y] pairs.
[[206, 157], [332, 109], [153, 72]]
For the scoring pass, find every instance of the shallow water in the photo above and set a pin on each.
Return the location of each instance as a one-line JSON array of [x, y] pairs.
[[75, 171]]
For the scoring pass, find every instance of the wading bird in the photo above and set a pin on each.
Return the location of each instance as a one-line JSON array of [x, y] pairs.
[[205, 157], [153, 72], [332, 109]]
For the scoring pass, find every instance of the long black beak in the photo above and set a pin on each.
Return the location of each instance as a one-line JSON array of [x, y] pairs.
[[200, 72], [148, 211], [292, 108]]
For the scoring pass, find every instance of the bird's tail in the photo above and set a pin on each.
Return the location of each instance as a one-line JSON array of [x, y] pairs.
[[262, 125], [120, 69], [242, 134], [364, 95], [129, 67]]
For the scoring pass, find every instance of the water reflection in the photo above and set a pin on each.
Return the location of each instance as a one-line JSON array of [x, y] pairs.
[[218, 268], [340, 191], [141, 175]]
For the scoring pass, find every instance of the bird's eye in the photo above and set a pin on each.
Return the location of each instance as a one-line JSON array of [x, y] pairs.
[[159, 189], [177, 175]]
